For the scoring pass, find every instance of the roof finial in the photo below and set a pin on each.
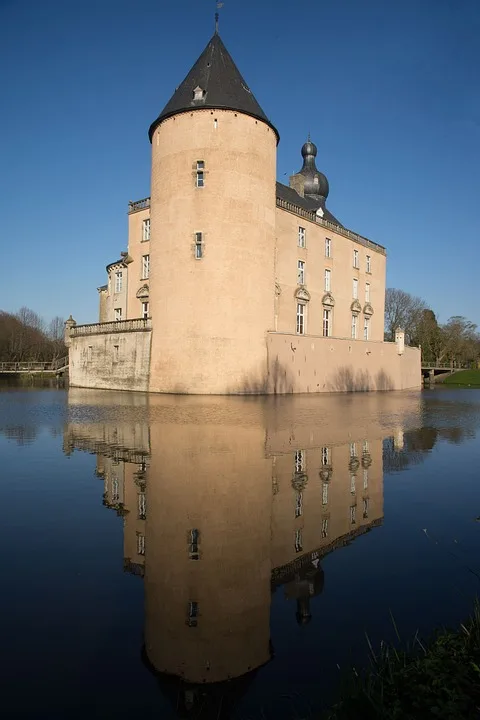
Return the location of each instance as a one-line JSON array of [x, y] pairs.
[[219, 5], [308, 137]]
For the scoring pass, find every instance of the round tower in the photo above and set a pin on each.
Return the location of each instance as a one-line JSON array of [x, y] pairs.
[[212, 233]]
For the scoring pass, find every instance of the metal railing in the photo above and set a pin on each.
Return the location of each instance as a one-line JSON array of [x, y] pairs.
[[313, 217], [117, 326], [135, 205], [32, 367]]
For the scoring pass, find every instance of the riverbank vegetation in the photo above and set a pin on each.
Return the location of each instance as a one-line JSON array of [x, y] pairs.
[[25, 336], [464, 377], [455, 343], [437, 679]]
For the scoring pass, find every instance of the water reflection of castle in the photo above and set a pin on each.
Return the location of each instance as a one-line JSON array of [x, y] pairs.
[[222, 500]]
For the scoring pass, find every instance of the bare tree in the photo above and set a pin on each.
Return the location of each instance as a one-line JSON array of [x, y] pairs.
[[460, 342], [402, 310]]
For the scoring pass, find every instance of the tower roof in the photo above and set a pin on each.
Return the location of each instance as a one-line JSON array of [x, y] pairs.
[[214, 82]]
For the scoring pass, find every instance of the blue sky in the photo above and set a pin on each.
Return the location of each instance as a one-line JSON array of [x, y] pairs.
[[388, 90]]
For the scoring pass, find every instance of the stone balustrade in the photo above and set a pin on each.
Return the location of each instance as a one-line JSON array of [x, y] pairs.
[[117, 326]]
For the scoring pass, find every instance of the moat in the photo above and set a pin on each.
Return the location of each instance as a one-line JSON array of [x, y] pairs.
[[215, 557]]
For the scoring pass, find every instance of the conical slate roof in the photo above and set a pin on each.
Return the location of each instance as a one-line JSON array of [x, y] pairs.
[[214, 82]]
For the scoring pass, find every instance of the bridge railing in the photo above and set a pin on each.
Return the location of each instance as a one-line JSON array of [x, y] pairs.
[[25, 366]]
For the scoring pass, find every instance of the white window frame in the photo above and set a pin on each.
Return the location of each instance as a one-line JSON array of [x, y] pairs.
[[145, 266], [366, 328], [365, 478], [198, 246], [355, 289], [118, 314], [325, 494], [353, 514], [115, 490], [353, 482], [328, 280], [368, 263], [301, 323], [353, 450], [145, 310], [146, 230], [142, 506], [356, 259], [298, 540], [299, 460], [302, 237], [367, 292], [328, 248], [325, 456], [118, 281], [354, 332], [140, 544], [327, 322], [301, 272], [324, 527], [298, 504], [200, 174]]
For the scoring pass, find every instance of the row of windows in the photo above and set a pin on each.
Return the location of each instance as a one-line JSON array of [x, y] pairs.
[[302, 242], [118, 312], [145, 274], [325, 486], [327, 323], [300, 456], [301, 276]]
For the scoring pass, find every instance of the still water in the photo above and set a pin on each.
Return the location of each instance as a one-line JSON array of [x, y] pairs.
[[224, 557]]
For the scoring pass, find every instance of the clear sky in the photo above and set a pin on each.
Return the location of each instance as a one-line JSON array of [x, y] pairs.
[[390, 92]]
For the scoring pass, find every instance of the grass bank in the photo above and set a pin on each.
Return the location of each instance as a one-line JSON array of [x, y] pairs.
[[438, 679], [463, 377]]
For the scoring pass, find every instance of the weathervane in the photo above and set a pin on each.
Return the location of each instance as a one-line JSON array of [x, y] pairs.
[[219, 6]]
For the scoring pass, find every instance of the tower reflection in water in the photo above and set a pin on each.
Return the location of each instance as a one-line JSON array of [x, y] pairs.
[[224, 499]]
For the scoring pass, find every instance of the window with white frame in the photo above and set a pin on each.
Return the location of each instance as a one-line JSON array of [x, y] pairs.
[[353, 450], [356, 262], [200, 174], [353, 480], [140, 544], [118, 313], [145, 267], [366, 504], [193, 540], [328, 280], [365, 446], [365, 479], [366, 329], [115, 491], [325, 456], [324, 493], [328, 247], [368, 263], [146, 230], [142, 506], [298, 504], [355, 289], [301, 312], [198, 245], [118, 281], [324, 527], [298, 540], [145, 310], [301, 272], [353, 514], [299, 461], [327, 322], [367, 292], [354, 326], [301, 237]]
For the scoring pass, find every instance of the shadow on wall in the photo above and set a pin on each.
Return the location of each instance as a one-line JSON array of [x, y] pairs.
[[278, 381], [347, 380]]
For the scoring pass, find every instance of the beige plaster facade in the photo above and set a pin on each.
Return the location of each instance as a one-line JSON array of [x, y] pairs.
[[239, 273]]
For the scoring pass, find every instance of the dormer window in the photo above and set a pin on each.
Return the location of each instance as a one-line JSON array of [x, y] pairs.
[[198, 93]]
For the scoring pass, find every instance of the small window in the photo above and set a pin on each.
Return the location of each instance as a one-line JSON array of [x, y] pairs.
[[142, 506], [356, 263], [354, 327], [355, 289], [198, 93], [298, 504], [366, 329], [324, 527], [298, 540], [353, 514], [198, 245], [300, 461], [193, 540], [145, 267], [146, 230], [300, 319], [140, 544], [192, 619], [366, 504], [353, 481], [118, 281], [301, 237], [89, 353], [200, 174], [115, 353], [365, 479], [145, 310], [328, 280], [368, 262], [325, 456], [115, 491], [301, 272], [365, 446], [367, 292], [118, 313], [353, 450], [325, 494], [327, 323], [328, 247]]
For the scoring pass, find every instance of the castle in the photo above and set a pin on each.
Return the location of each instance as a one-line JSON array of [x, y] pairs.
[[234, 283]]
